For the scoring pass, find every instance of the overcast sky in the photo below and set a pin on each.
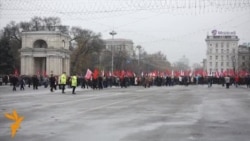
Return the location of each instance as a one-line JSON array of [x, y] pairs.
[[174, 27]]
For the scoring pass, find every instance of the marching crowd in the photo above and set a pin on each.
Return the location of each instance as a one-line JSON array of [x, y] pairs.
[[101, 82]]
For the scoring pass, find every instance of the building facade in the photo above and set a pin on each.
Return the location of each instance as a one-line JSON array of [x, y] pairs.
[[120, 45], [222, 52], [45, 52], [244, 57]]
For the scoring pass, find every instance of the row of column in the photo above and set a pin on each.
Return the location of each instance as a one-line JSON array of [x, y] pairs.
[[55, 64], [58, 65]]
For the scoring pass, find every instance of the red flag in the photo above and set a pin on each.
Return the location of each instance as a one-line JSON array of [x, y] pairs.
[[217, 74], [44, 73], [16, 72], [95, 74], [177, 73], [168, 72], [88, 74]]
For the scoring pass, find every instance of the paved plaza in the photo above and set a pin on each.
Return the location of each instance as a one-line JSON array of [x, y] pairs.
[[179, 113]]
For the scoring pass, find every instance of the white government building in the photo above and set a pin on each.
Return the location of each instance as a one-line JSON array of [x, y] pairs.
[[120, 45], [222, 51]]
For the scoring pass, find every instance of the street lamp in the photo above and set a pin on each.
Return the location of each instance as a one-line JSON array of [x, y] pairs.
[[112, 33], [139, 51]]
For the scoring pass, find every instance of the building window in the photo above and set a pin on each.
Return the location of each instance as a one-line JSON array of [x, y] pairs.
[[216, 45], [210, 44], [243, 57], [211, 58], [216, 57], [227, 45], [216, 50], [221, 64], [227, 64], [243, 64], [216, 64], [222, 70], [227, 57], [227, 50], [222, 45], [233, 50], [210, 63], [222, 51], [222, 58]]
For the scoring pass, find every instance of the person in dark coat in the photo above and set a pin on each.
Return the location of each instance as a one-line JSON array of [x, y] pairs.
[[247, 79], [83, 82], [52, 81], [227, 81], [210, 81], [29, 81], [22, 83], [35, 82], [14, 81]]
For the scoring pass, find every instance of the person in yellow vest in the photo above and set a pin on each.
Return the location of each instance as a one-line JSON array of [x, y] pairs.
[[73, 83], [63, 79]]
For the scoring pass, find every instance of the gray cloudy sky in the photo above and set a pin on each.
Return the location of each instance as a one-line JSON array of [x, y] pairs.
[[174, 27]]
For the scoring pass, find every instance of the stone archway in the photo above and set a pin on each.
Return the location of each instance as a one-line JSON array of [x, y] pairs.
[[40, 44], [43, 52], [40, 62]]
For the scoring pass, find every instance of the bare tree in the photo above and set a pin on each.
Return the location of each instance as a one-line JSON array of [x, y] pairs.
[[87, 43]]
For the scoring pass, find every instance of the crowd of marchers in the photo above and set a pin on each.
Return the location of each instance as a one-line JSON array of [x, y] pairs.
[[101, 82]]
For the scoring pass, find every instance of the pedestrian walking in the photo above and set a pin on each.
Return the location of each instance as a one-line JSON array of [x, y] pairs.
[[210, 81], [227, 81], [14, 81], [63, 80], [35, 82], [247, 79], [52, 81], [236, 81], [22, 83], [73, 83]]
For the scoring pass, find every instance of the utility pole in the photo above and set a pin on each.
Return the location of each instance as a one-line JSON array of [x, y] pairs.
[[112, 33], [139, 52]]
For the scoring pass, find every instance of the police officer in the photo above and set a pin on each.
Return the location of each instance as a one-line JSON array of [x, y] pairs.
[[63, 79], [73, 83]]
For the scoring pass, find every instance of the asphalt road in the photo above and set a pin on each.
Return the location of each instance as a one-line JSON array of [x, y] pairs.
[[193, 113]]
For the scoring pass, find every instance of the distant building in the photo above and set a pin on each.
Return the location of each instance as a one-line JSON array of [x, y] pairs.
[[222, 51], [204, 64], [184, 60], [120, 45], [1, 33], [244, 57]]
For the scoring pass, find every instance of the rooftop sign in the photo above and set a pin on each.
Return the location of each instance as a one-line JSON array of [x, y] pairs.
[[223, 33]]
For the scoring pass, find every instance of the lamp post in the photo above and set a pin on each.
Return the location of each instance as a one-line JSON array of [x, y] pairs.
[[112, 33], [139, 51]]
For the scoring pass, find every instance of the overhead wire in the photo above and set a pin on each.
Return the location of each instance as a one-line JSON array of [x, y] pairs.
[[94, 9]]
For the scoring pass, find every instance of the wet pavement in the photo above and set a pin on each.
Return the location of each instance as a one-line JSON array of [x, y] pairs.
[[179, 113]]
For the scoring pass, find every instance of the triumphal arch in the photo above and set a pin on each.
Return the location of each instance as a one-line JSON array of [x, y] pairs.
[[45, 52]]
